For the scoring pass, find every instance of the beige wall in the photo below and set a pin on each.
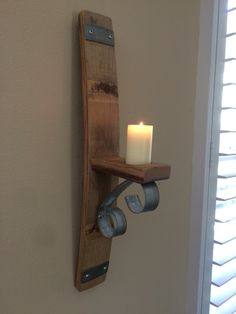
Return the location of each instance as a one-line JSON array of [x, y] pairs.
[[41, 154]]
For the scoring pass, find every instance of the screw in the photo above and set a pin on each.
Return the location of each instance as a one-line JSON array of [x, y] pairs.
[[110, 36], [87, 275], [91, 31]]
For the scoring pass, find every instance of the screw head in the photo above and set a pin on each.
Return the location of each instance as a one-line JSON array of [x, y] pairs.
[[110, 36], [91, 31]]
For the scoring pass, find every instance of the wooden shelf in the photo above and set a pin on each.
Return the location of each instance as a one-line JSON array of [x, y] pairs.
[[137, 173]]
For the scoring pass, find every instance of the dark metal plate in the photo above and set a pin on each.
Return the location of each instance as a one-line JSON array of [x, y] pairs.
[[99, 34], [94, 272]]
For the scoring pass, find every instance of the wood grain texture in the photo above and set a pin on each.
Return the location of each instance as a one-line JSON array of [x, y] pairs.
[[101, 131], [136, 173]]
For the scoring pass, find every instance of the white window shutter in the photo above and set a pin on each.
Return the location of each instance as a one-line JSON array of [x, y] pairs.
[[223, 283]]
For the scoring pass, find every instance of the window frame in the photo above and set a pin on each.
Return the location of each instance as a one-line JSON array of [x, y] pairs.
[[202, 207]]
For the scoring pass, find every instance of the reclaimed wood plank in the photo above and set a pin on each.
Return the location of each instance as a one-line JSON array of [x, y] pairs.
[[101, 139]]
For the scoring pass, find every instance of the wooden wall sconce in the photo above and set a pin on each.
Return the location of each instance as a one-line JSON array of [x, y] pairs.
[[100, 219]]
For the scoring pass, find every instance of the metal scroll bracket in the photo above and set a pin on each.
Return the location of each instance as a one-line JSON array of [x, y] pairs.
[[112, 221]]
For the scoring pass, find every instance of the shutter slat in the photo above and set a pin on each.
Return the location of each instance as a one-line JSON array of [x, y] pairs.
[[227, 176], [225, 210], [228, 119], [222, 198], [222, 274], [220, 295], [227, 144], [228, 307], [229, 59], [226, 188], [227, 131], [225, 154], [229, 72], [228, 96], [227, 108], [227, 166], [230, 47], [231, 18], [225, 231], [231, 34], [224, 253]]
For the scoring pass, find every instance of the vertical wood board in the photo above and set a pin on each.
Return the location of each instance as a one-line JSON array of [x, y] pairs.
[[101, 139]]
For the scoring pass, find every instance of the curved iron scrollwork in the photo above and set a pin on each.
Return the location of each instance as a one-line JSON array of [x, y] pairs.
[[112, 221]]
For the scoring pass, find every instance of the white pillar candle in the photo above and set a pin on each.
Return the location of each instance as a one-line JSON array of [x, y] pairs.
[[139, 144]]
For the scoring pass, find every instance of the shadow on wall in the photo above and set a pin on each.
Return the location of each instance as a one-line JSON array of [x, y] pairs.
[[76, 139]]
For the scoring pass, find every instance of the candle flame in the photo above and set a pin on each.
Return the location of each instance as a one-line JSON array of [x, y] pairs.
[[141, 123]]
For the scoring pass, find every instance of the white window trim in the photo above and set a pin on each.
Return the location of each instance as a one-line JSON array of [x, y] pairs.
[[199, 213]]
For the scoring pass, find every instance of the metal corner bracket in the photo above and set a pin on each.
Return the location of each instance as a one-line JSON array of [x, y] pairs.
[[112, 221]]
